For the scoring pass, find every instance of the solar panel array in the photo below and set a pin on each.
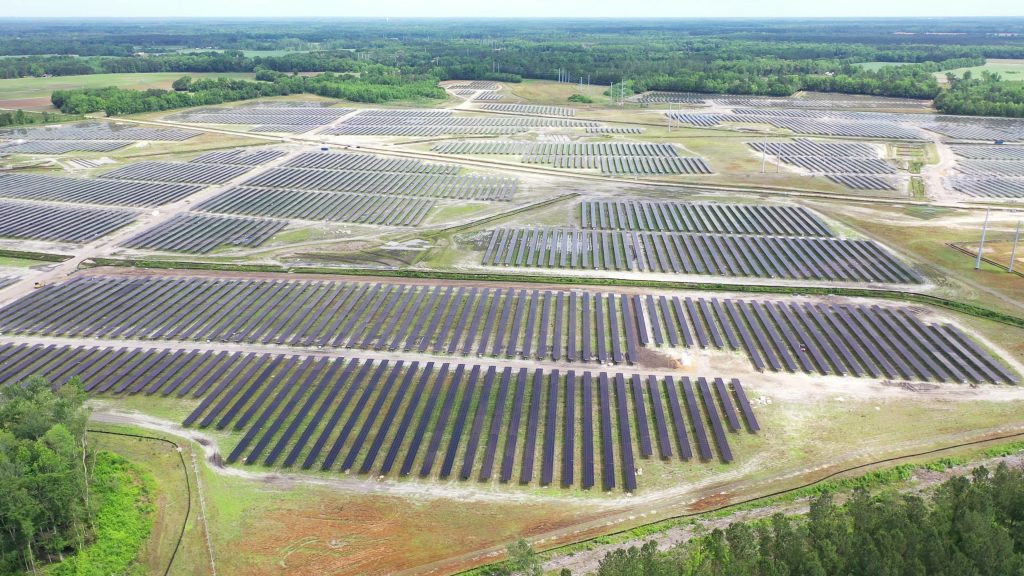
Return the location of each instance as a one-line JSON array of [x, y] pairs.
[[785, 257], [530, 109], [989, 152], [34, 221], [700, 217], [995, 172], [477, 85], [326, 206], [609, 157], [863, 181], [806, 147], [200, 234], [838, 165], [266, 117], [670, 97], [614, 130], [977, 129], [6, 281], [440, 122], [60, 146], [368, 163], [820, 124], [189, 173], [488, 96], [99, 131], [397, 418], [240, 157], [580, 326], [93, 191], [1009, 188], [469, 186], [991, 168], [794, 335], [843, 339]]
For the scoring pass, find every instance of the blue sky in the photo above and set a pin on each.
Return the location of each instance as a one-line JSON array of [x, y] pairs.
[[507, 8]]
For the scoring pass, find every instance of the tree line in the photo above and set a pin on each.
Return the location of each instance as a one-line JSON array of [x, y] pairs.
[[968, 526], [376, 86], [986, 95]]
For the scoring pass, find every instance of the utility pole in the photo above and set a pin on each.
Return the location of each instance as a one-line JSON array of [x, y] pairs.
[[1013, 251], [981, 247], [764, 153]]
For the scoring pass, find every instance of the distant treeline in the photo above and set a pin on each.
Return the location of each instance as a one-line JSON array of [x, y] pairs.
[[188, 92], [774, 58]]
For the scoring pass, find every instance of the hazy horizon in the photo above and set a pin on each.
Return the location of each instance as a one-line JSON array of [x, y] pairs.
[[523, 9]]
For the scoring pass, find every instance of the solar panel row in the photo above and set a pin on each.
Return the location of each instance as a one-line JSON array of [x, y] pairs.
[[326, 206], [794, 335], [200, 234], [701, 217], [705, 254]]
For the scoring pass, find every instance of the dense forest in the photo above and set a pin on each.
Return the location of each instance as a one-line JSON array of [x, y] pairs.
[[45, 511], [968, 526], [776, 58], [203, 92]]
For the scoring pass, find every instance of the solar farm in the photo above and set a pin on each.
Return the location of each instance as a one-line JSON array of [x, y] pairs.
[[638, 158], [644, 309]]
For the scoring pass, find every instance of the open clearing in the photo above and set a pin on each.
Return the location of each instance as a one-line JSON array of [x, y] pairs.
[[34, 93]]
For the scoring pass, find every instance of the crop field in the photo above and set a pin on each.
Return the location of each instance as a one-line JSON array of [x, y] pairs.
[[705, 254]]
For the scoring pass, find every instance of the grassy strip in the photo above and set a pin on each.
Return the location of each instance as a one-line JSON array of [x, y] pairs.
[[42, 256], [956, 306], [501, 216], [125, 519]]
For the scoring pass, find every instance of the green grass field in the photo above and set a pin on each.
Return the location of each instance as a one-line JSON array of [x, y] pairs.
[[1010, 70], [34, 93]]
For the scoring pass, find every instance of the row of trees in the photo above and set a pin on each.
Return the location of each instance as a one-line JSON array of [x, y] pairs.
[[987, 95], [970, 526], [45, 468], [23, 118], [376, 86]]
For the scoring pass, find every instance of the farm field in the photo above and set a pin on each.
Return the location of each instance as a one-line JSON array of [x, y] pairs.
[[463, 307]]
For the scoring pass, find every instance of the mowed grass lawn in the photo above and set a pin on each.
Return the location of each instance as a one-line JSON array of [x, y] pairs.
[[34, 93]]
